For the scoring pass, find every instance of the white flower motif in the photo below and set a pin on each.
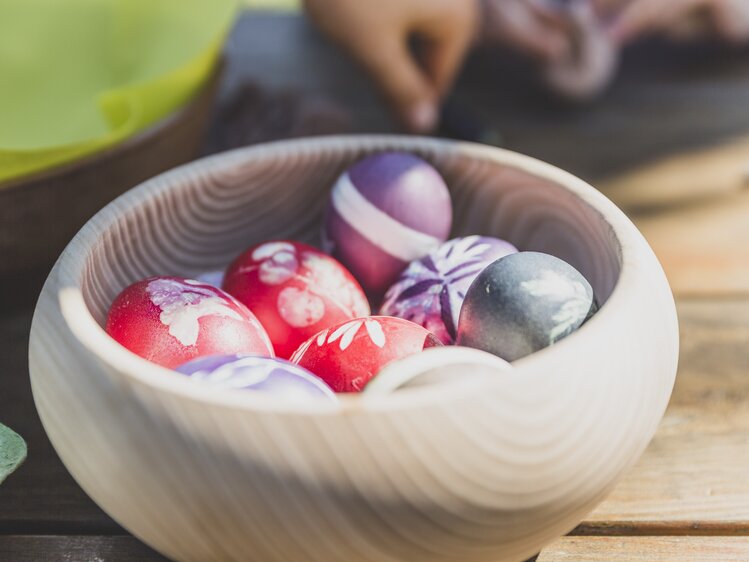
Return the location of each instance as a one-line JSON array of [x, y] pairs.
[[278, 262], [270, 249], [431, 290], [339, 290], [302, 349], [278, 269], [323, 279], [183, 304], [573, 297], [551, 285], [569, 316], [299, 307], [348, 331], [321, 338], [376, 334]]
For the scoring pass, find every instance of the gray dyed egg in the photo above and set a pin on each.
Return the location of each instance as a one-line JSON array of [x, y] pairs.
[[522, 303]]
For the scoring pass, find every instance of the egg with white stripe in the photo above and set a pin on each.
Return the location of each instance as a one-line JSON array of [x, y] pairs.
[[384, 212]]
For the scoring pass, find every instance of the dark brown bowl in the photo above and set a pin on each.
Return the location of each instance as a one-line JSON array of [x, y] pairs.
[[39, 214]]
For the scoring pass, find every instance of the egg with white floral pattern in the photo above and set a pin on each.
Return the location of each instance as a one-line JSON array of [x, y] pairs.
[[385, 211], [522, 303], [348, 355], [171, 320], [270, 375], [295, 291], [431, 290]]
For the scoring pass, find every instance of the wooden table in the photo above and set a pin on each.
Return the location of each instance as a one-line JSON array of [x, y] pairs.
[[670, 143]]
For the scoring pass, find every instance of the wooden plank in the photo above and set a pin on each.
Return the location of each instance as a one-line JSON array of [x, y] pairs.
[[647, 549], [693, 477], [33, 548], [589, 549], [41, 496], [693, 210]]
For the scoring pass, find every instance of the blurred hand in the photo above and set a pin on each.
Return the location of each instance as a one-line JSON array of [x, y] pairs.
[[728, 19], [535, 27], [377, 34]]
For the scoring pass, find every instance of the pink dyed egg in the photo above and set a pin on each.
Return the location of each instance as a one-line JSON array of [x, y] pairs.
[[384, 212], [431, 290], [348, 355], [171, 320], [295, 291]]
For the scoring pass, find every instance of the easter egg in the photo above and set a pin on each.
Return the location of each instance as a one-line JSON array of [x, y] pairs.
[[449, 364], [384, 212], [348, 355], [170, 320], [431, 290], [261, 374], [522, 303], [295, 291]]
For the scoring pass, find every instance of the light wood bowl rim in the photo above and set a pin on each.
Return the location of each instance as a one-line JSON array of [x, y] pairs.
[[93, 337]]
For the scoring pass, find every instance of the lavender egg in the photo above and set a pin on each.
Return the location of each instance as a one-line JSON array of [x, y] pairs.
[[431, 290], [261, 374], [384, 212]]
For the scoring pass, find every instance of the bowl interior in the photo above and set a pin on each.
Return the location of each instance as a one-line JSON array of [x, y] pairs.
[[200, 216]]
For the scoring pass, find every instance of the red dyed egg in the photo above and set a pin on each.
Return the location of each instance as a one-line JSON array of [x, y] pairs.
[[295, 291], [170, 320], [348, 355]]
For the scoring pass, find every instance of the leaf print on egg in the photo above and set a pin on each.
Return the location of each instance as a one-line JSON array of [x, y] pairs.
[[340, 291], [573, 297], [278, 262], [376, 334], [182, 305], [348, 331], [431, 290], [299, 307], [305, 346]]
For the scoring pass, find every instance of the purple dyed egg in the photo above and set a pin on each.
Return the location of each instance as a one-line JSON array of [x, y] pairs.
[[431, 290], [384, 212], [263, 374]]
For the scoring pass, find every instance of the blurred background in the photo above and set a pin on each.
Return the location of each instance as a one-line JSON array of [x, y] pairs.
[[648, 100], [645, 100]]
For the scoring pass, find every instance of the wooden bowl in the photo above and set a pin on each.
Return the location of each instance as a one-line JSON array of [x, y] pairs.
[[488, 468], [39, 214]]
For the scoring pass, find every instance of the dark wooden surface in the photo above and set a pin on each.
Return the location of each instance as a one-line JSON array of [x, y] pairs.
[[665, 101]]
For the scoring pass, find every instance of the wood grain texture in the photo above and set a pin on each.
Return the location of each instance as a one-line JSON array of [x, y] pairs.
[[693, 210], [75, 548], [41, 497], [647, 549], [205, 475], [692, 479]]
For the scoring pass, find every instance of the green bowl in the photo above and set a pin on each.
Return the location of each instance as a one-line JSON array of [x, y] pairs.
[[40, 213]]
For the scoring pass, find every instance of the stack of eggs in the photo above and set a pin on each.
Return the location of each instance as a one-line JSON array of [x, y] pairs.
[[294, 321]]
